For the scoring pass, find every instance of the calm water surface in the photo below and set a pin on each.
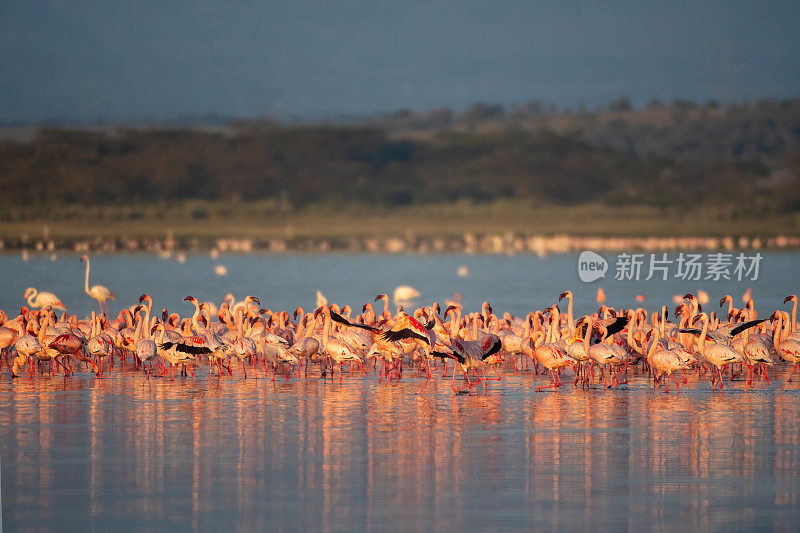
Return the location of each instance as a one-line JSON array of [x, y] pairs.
[[516, 284], [127, 453]]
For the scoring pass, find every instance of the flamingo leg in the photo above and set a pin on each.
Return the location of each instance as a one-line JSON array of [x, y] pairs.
[[452, 380], [428, 374], [469, 381], [551, 384]]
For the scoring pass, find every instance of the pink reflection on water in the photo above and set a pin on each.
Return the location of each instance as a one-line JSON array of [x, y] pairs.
[[252, 454]]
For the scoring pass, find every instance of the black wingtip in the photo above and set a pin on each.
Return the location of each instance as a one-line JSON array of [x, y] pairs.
[[746, 325], [618, 325], [496, 347], [406, 333], [336, 317]]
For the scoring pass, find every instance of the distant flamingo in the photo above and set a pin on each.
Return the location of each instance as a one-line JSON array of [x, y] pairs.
[[98, 292], [405, 294], [38, 299]]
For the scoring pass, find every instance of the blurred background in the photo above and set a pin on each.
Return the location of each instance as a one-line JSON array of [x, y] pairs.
[[284, 124]]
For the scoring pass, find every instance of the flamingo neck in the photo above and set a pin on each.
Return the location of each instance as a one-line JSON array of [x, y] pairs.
[[86, 279], [570, 321], [778, 333], [587, 335], [160, 330], [701, 340], [137, 329], [653, 343], [631, 340], [146, 324], [556, 325], [538, 336], [196, 315], [326, 328]]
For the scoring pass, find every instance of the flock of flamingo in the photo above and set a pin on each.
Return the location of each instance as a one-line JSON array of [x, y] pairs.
[[612, 341]]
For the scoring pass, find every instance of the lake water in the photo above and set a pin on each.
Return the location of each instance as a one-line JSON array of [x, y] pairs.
[[516, 284], [127, 453]]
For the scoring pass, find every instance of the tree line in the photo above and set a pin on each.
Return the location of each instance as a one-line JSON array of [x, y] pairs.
[[742, 157]]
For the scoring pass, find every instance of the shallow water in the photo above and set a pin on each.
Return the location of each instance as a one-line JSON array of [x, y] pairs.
[[129, 453], [517, 284]]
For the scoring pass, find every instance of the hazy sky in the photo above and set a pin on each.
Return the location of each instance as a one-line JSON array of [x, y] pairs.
[[160, 59]]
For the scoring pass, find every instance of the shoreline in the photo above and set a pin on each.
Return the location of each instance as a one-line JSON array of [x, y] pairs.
[[468, 243]]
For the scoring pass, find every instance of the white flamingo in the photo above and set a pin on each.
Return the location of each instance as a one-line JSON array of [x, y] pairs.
[[99, 292], [38, 299]]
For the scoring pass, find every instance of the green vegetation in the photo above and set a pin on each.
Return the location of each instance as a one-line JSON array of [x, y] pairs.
[[737, 164]]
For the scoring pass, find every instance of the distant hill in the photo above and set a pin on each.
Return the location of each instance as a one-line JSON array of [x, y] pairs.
[[744, 158]]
